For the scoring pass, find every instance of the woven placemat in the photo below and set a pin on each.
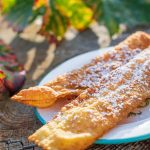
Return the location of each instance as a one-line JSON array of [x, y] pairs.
[[143, 145]]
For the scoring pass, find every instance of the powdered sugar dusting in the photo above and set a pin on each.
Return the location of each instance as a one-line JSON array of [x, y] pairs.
[[126, 87], [100, 67]]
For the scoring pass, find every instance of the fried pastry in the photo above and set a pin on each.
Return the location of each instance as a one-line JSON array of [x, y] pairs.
[[98, 109], [74, 83]]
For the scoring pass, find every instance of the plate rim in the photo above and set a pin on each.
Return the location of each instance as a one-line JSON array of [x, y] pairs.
[[99, 141]]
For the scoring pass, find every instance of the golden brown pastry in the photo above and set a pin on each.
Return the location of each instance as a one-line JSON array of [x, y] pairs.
[[72, 84], [98, 109]]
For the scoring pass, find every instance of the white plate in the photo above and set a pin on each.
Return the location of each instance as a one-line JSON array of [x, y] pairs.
[[134, 128]]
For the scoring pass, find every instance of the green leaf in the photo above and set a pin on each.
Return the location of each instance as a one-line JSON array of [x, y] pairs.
[[20, 13], [114, 12], [108, 18]]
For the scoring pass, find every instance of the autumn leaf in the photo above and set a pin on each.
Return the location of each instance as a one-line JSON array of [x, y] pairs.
[[6, 5], [59, 15], [79, 15], [62, 14], [54, 24]]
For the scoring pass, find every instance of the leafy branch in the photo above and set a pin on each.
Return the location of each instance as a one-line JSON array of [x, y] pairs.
[[59, 15]]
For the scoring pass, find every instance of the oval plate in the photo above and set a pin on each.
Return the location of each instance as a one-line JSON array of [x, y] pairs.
[[132, 129]]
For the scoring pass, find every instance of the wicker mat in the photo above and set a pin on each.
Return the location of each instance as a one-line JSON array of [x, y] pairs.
[[145, 145]]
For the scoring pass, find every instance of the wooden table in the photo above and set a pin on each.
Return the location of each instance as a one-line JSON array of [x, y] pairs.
[[18, 121]]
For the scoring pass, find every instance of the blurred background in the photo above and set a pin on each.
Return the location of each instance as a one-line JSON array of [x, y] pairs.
[[38, 35]]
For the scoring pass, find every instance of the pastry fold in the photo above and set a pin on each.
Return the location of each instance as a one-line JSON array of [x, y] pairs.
[[98, 109], [72, 84]]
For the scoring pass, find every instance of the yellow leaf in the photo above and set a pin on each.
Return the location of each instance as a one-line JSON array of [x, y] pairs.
[[7, 4], [78, 13]]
